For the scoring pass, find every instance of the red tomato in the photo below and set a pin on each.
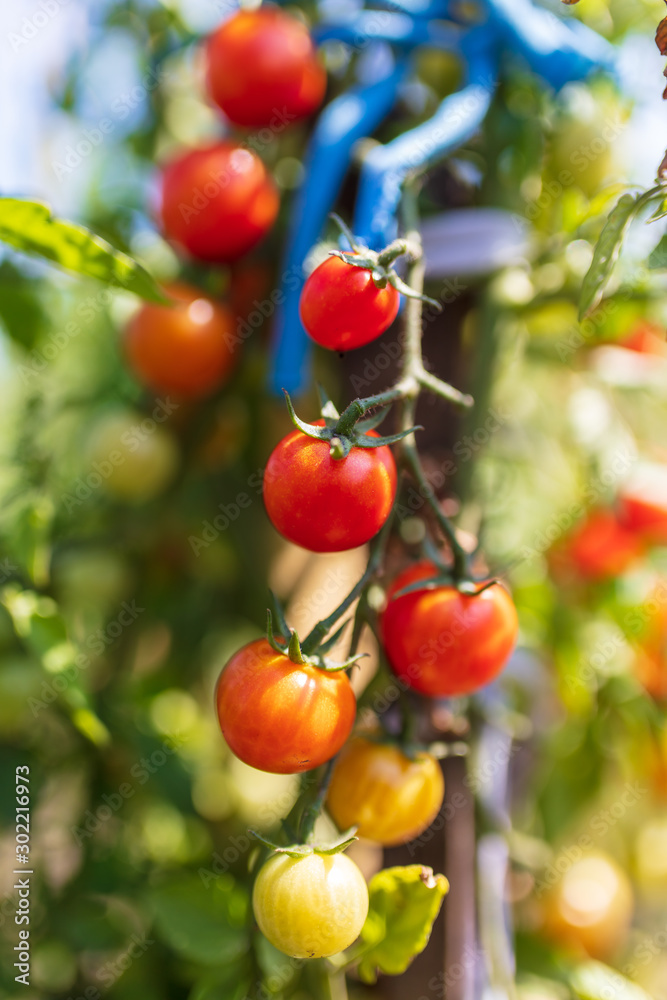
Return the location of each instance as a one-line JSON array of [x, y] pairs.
[[326, 504], [341, 306], [599, 548], [442, 642], [280, 716], [186, 348], [645, 338], [263, 70], [218, 201], [642, 503]]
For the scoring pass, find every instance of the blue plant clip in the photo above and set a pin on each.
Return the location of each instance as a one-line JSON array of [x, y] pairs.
[[558, 50]]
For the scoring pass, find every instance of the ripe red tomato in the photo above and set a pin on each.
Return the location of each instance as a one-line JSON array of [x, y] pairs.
[[599, 548], [263, 70], [326, 504], [217, 201], [281, 716], [341, 306], [186, 348], [642, 503], [442, 642], [389, 797]]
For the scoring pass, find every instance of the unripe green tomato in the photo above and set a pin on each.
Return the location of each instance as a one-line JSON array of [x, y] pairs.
[[131, 456], [310, 907]]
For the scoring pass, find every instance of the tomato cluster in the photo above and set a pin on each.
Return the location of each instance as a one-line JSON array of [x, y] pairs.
[[218, 201]]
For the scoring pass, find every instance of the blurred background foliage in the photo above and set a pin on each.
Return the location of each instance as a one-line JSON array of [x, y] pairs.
[[121, 601]]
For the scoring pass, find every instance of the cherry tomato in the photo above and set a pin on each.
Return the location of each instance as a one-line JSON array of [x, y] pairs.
[[281, 716], [590, 908], [442, 642], [645, 338], [186, 348], [131, 456], [326, 504], [642, 503], [217, 201], [310, 907], [341, 306], [389, 797], [599, 548], [263, 70]]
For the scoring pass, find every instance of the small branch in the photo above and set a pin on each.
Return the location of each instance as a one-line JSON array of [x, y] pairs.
[[459, 554], [444, 390]]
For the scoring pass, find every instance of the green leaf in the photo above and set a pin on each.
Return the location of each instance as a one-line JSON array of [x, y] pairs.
[[595, 981], [660, 212], [606, 251], [404, 902], [658, 257], [30, 227], [205, 925]]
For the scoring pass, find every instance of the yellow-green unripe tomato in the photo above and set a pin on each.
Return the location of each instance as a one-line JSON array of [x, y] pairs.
[[131, 456], [310, 907]]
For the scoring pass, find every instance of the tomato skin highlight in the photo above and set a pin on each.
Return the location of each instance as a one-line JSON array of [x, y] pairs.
[[280, 716], [263, 70], [186, 349], [442, 642], [218, 201], [390, 798], [342, 308], [326, 504], [310, 907]]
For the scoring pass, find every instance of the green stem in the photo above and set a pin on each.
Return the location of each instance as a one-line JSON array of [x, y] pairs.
[[314, 808], [315, 636], [358, 407]]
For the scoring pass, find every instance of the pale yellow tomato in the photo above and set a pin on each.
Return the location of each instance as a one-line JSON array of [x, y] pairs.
[[312, 906]]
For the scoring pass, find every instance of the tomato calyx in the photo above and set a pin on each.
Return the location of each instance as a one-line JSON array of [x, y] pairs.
[[287, 643], [330, 848], [348, 430], [380, 262]]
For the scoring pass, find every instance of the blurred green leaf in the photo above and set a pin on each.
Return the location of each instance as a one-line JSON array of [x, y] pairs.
[[658, 256], [22, 313], [595, 981], [202, 924], [606, 251], [404, 902], [29, 226]]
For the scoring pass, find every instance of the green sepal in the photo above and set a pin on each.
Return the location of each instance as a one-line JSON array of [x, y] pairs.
[[279, 612], [372, 422], [410, 293], [340, 844], [294, 649], [362, 260], [336, 846], [378, 442], [347, 232], [270, 635], [321, 433]]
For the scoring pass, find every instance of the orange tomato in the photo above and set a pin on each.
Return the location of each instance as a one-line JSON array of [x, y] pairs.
[[590, 908], [187, 348], [281, 716], [598, 548], [389, 797]]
